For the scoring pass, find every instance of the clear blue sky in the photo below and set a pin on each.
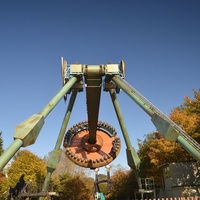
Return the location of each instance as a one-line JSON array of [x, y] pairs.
[[158, 40]]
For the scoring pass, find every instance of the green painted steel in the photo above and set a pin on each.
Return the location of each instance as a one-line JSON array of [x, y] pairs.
[[188, 147], [165, 128], [93, 70], [49, 107], [10, 152], [130, 93], [54, 158], [27, 132], [66, 119], [132, 157], [164, 125], [46, 184], [29, 129], [93, 94]]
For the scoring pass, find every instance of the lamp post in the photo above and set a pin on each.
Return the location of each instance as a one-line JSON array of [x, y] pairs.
[[108, 178], [96, 174], [96, 186], [108, 173]]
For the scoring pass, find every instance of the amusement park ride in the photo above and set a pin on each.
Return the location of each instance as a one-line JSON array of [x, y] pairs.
[[93, 143]]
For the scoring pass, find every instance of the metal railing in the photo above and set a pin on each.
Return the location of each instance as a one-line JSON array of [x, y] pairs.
[[193, 142]]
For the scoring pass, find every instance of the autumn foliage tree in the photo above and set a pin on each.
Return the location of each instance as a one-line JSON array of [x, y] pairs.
[[188, 115], [74, 187], [2, 174], [28, 164], [155, 151], [66, 165], [123, 184]]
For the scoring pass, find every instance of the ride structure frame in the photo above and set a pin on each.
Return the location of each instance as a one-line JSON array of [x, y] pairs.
[[90, 134]]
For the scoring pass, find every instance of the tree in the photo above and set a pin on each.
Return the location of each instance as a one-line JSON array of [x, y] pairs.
[[3, 189], [74, 187], [154, 150], [2, 175], [1, 144], [28, 164], [70, 180], [66, 165], [122, 185], [188, 115]]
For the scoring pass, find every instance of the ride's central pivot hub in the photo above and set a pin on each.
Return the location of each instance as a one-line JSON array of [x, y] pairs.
[[85, 154], [85, 143]]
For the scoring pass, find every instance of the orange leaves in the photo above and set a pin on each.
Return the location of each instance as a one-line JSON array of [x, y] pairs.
[[188, 121], [188, 115]]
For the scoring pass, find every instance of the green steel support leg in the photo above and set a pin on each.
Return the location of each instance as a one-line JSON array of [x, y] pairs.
[[27, 132], [190, 149], [132, 157], [66, 119], [175, 134], [49, 107], [164, 125], [10, 152], [54, 158], [130, 93]]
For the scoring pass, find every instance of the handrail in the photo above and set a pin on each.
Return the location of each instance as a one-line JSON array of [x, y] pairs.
[[193, 142]]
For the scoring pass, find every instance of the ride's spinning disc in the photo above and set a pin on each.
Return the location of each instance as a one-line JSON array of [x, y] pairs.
[[80, 151]]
